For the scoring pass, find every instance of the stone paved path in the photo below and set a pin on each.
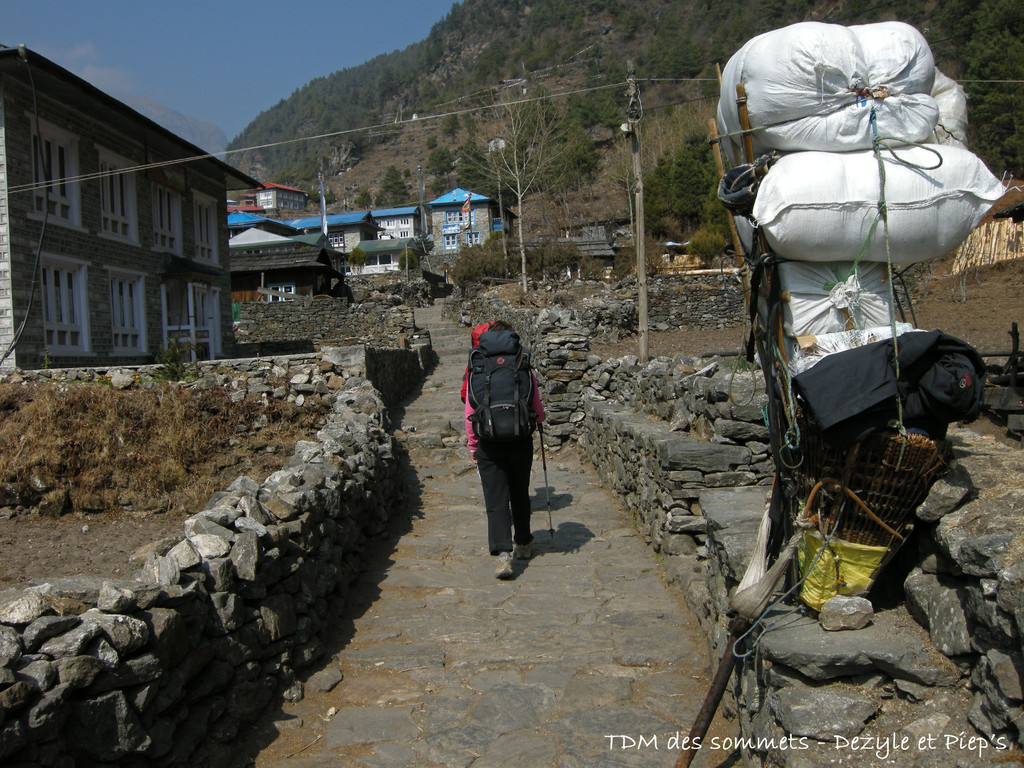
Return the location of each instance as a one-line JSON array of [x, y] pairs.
[[584, 652]]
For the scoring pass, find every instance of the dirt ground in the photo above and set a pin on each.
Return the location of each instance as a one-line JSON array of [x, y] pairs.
[[980, 311]]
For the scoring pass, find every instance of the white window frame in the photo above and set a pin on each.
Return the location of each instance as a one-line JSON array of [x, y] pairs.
[[288, 288], [451, 242], [166, 219], [117, 198], [127, 312], [58, 192], [459, 217], [65, 319], [337, 240], [204, 210], [472, 238]]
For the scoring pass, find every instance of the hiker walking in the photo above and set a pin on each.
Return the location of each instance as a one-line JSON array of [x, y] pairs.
[[502, 409]]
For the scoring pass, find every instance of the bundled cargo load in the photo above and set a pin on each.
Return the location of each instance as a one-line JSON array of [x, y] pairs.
[[815, 86], [848, 160], [824, 206], [951, 100], [823, 298]]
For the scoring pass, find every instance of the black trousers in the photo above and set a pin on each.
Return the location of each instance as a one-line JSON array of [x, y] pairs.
[[505, 476]]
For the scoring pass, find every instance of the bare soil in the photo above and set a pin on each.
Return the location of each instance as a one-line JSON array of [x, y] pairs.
[[979, 310]]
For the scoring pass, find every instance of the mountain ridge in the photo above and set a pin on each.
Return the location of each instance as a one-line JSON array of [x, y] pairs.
[[352, 124]]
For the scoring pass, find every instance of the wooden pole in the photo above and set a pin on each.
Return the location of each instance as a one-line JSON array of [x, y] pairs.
[[633, 126], [641, 253], [716, 150]]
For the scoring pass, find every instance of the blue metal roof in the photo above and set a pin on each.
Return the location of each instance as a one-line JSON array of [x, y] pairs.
[[457, 197], [405, 211], [243, 219], [333, 220]]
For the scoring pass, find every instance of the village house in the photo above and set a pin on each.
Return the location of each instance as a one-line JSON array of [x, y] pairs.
[[398, 223], [462, 218], [270, 267], [389, 255], [344, 230], [281, 198], [113, 230]]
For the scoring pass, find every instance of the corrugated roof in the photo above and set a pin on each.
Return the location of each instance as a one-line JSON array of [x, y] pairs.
[[333, 220], [406, 211], [457, 197], [273, 185], [239, 219]]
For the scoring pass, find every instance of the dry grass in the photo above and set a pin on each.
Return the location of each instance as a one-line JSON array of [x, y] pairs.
[[91, 448]]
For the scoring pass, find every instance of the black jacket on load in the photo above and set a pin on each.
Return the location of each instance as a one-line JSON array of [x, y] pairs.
[[500, 388], [848, 395]]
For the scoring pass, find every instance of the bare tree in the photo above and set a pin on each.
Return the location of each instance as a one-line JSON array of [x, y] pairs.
[[527, 145]]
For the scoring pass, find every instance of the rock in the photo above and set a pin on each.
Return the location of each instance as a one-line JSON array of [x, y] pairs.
[[115, 599], [845, 612], [45, 627], [106, 727], [122, 380], [822, 713], [78, 671], [24, 608], [124, 633], [892, 644], [209, 546], [71, 643], [946, 494], [326, 679]]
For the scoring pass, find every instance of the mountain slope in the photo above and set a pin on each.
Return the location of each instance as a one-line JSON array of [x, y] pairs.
[[353, 123]]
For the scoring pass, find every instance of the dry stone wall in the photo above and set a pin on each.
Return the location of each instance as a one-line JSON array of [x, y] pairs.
[[167, 666], [279, 326], [685, 444]]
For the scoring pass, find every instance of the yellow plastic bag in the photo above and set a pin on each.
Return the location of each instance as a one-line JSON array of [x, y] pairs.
[[843, 568]]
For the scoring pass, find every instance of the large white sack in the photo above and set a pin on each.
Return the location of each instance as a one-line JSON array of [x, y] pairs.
[[951, 99], [821, 206], [832, 297], [803, 84]]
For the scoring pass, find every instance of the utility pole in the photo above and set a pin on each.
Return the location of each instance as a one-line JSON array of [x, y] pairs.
[[634, 111]]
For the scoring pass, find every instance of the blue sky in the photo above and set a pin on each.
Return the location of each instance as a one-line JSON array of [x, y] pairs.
[[216, 61]]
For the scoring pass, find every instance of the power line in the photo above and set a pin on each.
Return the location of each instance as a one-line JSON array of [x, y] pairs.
[[34, 186]]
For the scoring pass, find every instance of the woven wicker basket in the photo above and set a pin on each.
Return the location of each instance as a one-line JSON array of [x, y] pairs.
[[874, 486]]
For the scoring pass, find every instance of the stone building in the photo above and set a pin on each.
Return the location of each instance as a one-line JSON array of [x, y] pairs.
[[461, 218], [113, 233]]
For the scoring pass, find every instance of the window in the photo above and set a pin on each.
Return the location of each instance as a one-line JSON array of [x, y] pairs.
[[457, 217], [337, 240], [126, 315], [117, 197], [473, 238], [404, 233], [288, 288], [64, 306], [451, 242], [205, 214], [55, 156], [166, 219]]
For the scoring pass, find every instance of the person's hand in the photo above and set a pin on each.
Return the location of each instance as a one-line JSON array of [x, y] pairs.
[[472, 456]]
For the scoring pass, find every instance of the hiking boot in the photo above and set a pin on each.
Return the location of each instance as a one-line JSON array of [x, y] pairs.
[[522, 551], [504, 569]]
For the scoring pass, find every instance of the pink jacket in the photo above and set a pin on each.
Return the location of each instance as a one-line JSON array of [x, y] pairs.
[[536, 406]]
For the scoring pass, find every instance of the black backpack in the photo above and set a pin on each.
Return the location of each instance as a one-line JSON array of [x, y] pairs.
[[500, 388]]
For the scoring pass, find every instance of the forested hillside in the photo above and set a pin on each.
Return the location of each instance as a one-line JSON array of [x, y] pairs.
[[434, 105]]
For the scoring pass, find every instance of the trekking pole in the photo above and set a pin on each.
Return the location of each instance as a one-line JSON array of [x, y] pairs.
[[547, 488]]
